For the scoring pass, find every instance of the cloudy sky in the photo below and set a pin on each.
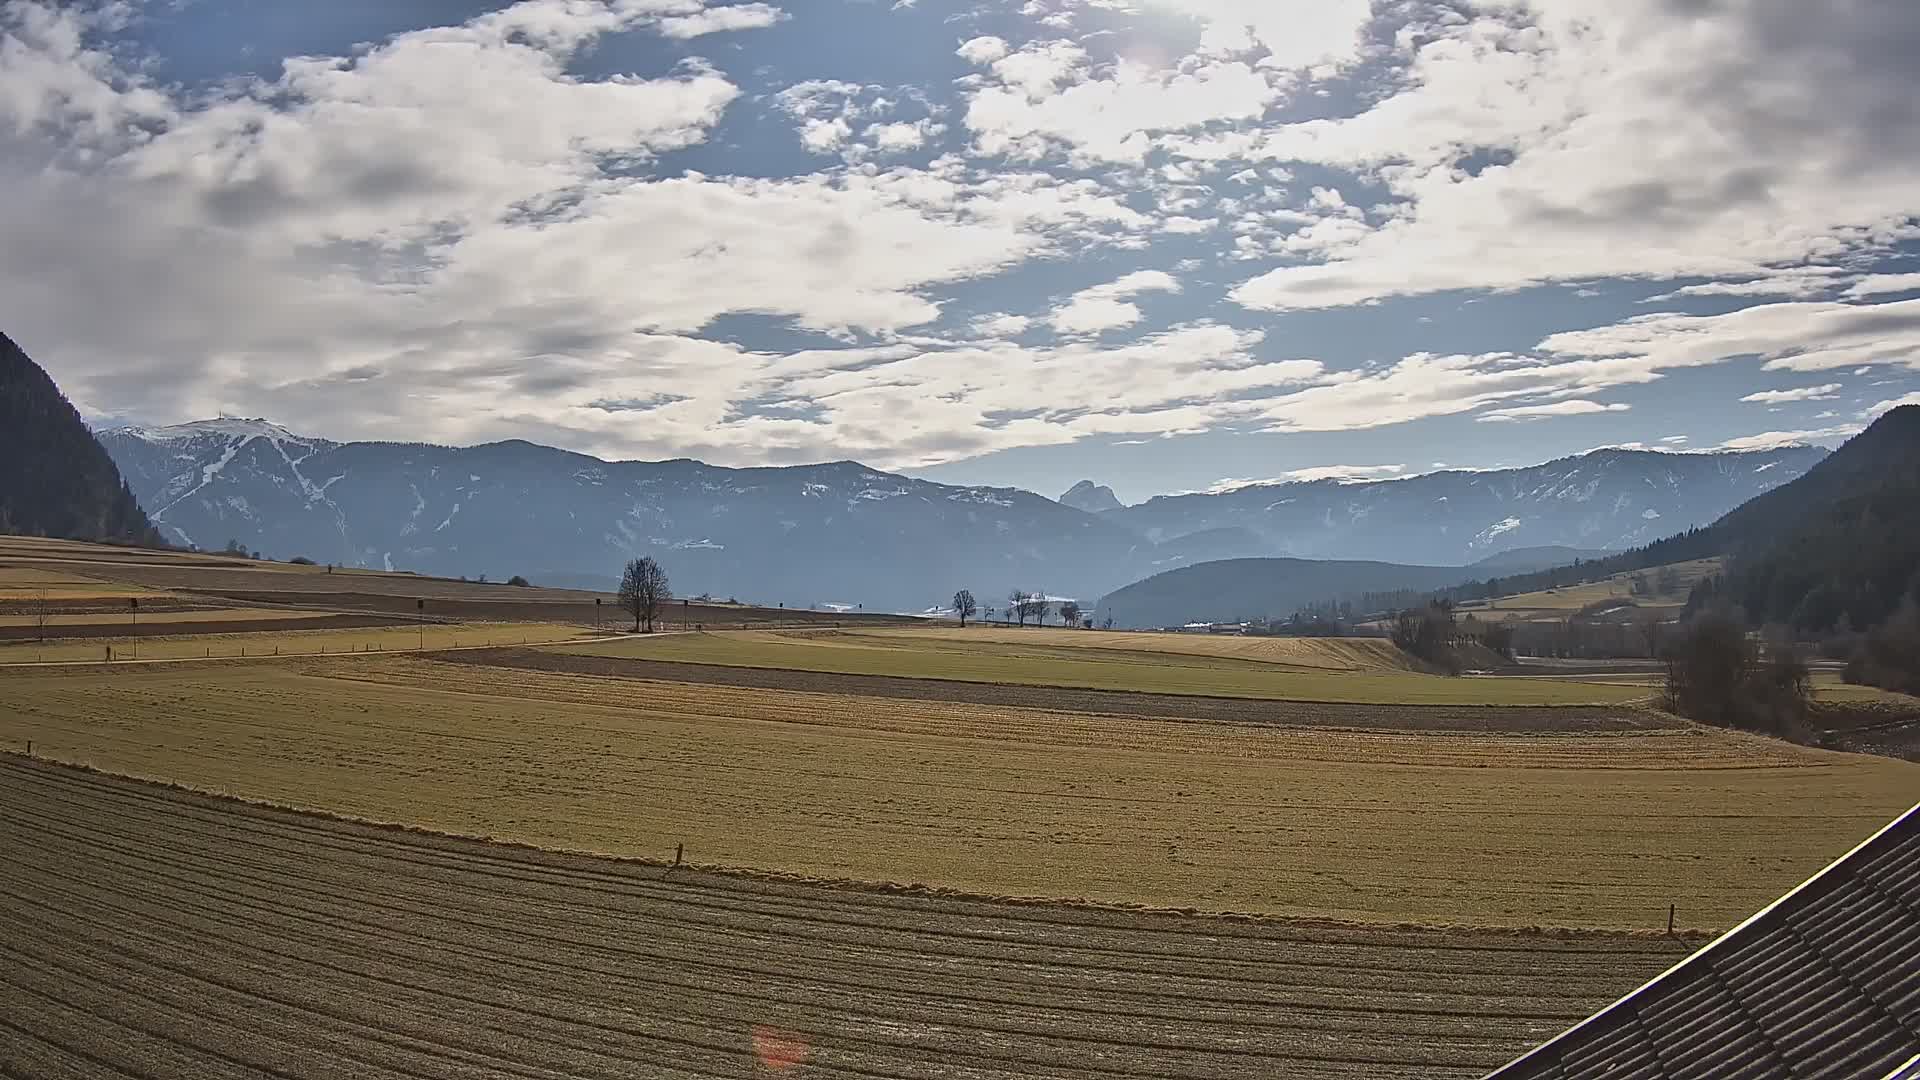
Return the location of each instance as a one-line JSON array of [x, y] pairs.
[[1158, 243]]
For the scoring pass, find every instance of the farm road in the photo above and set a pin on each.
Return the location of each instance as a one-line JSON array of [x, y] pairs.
[[152, 932]]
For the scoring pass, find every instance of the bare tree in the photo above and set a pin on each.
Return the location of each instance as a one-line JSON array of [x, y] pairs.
[[1070, 613], [643, 588], [964, 606], [40, 612], [1039, 605], [1017, 605]]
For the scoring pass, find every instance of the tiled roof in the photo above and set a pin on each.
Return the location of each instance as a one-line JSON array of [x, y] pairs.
[[1824, 982]]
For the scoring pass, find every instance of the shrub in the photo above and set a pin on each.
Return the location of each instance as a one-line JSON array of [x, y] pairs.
[[302, 560], [520, 581]]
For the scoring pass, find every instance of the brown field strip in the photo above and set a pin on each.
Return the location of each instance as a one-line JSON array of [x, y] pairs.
[[149, 932], [1510, 718], [1580, 830], [311, 635]]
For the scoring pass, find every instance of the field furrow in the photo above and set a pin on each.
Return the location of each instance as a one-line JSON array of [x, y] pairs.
[[151, 931]]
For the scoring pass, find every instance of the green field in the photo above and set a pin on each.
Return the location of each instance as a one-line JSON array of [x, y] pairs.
[[991, 658]]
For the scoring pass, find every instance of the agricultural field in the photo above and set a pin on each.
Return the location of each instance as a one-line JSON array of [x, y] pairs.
[[310, 635], [1550, 604], [69, 573], [1340, 670], [1583, 828], [159, 932]]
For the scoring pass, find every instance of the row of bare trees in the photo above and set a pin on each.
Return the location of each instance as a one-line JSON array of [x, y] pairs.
[[1021, 606]]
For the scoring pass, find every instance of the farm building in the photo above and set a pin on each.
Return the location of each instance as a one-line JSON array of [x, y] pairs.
[[1824, 982]]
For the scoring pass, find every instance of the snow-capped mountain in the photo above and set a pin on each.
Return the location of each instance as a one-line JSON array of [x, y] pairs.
[[804, 535], [1606, 499], [845, 533]]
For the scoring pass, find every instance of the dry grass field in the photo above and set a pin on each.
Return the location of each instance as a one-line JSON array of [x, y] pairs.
[[1576, 830], [1308, 654], [1114, 662], [299, 637], [152, 932], [1559, 603]]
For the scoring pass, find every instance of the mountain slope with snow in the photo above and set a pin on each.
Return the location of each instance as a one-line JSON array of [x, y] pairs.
[[805, 535], [845, 533], [1606, 500]]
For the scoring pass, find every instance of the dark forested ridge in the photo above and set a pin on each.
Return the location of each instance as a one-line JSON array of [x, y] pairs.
[[1839, 547], [55, 478]]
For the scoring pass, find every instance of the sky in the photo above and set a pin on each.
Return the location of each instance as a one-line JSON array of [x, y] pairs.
[[1161, 244]]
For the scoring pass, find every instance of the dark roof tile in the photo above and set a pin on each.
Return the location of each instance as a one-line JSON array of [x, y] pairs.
[[1824, 984]]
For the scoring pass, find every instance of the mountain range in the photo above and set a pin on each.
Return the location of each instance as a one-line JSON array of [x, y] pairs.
[[1610, 499], [844, 533]]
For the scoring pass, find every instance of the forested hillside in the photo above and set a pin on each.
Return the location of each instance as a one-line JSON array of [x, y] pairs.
[[1840, 547], [55, 479]]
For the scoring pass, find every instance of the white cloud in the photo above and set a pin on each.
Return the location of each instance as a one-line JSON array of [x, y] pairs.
[[981, 51], [1803, 393], [1800, 283], [1094, 315], [1049, 95], [1103, 307], [1573, 407], [1641, 139], [715, 20], [1001, 325], [1890, 404], [1880, 284], [1768, 440]]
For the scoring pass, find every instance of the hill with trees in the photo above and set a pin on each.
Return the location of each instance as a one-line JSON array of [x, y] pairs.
[[55, 478], [1838, 548], [1237, 590]]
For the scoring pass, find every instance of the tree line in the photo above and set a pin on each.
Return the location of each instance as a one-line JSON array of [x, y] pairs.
[[1021, 606]]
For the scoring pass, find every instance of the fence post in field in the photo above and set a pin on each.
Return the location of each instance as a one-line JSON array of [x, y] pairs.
[[1670, 908], [29, 747], [679, 850]]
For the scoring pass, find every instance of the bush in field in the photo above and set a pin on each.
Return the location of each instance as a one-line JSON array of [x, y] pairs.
[[520, 581]]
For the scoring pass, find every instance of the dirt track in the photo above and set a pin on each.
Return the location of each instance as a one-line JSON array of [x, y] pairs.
[[1504, 718], [149, 932]]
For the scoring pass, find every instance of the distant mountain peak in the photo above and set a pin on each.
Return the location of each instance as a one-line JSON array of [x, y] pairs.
[[1091, 497], [227, 426]]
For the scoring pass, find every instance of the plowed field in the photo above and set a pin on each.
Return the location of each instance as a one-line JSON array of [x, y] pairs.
[[149, 932]]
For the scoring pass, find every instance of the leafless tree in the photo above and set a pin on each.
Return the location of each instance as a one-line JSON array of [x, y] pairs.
[[1038, 605], [41, 610], [643, 588], [1070, 613], [964, 606], [1017, 605]]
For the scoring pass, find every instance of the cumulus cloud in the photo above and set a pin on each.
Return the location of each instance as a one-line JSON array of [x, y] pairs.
[[1104, 307], [1803, 393], [1552, 141]]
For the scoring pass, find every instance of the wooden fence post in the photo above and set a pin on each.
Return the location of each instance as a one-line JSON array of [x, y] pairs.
[[1670, 908], [678, 851]]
